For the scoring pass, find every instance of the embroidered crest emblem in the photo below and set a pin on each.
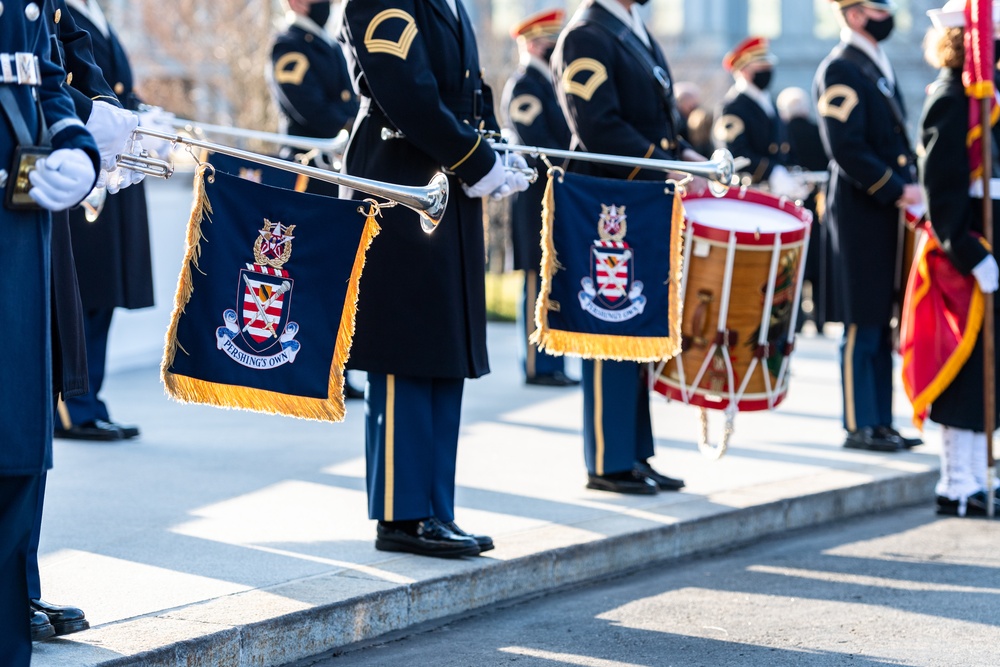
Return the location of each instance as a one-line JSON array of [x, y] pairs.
[[611, 293], [258, 333]]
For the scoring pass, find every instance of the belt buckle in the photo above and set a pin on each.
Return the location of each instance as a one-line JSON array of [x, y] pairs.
[[27, 69]]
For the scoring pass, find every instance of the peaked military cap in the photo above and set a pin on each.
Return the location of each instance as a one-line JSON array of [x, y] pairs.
[[750, 50], [546, 23]]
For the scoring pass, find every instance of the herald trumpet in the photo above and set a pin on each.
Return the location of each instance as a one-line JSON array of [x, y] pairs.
[[430, 201], [719, 170], [335, 145], [146, 164]]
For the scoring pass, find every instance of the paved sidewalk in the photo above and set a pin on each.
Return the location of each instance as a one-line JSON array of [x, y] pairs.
[[227, 538]]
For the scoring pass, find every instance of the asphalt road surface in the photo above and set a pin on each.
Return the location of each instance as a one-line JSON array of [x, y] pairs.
[[901, 588]]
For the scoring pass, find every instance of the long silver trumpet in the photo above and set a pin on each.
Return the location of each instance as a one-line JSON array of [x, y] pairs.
[[335, 145], [718, 171], [430, 201]]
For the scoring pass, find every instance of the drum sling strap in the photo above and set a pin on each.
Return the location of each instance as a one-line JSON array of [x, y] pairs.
[[658, 73]]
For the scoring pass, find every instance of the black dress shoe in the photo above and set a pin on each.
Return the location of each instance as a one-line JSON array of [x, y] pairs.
[[40, 626], [908, 443], [867, 438], [350, 391], [485, 542], [128, 432], [97, 429], [556, 379], [976, 505], [629, 481], [663, 483], [427, 537], [65, 620]]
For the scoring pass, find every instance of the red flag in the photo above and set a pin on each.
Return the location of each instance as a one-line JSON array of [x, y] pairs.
[[978, 77]]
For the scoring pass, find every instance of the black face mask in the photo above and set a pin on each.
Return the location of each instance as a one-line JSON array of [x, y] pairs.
[[762, 79], [319, 13], [879, 30], [641, 2]]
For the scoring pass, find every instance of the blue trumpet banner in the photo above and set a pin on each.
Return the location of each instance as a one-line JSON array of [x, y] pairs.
[[611, 269], [264, 313]]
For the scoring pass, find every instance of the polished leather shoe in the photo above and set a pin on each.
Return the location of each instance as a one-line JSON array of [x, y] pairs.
[[65, 620], [976, 505], [97, 429], [556, 379], [629, 481], [867, 438], [40, 627], [485, 542], [350, 391], [908, 443], [427, 537], [128, 432], [663, 483]]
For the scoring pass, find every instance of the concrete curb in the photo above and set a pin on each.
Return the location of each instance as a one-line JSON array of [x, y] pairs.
[[283, 624]]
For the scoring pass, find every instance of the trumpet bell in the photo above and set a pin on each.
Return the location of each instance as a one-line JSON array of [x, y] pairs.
[[93, 204], [719, 182]]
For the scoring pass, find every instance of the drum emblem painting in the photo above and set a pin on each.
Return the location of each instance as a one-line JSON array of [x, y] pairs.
[[780, 311], [610, 293]]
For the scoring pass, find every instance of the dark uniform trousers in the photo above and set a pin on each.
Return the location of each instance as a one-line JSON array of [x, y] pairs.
[[535, 362], [623, 114], [18, 497], [411, 440], [866, 369], [88, 407], [613, 441]]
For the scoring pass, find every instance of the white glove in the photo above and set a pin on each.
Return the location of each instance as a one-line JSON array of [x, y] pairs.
[[488, 183], [120, 178], [514, 178], [987, 274], [157, 119], [784, 184], [111, 128], [62, 179]]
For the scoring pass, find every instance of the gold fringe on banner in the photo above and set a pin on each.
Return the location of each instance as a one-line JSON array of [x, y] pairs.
[[603, 346], [190, 390]]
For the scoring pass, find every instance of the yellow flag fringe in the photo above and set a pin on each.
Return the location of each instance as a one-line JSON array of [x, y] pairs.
[[602, 346], [189, 390]]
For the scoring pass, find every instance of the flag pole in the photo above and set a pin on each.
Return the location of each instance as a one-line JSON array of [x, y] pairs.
[[989, 351]]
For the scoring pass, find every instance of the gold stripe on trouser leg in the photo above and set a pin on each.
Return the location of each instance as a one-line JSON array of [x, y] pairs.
[[849, 417], [390, 445], [598, 417], [530, 281], [63, 411]]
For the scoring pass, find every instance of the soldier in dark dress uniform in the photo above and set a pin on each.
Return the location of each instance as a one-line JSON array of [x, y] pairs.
[[956, 222], [421, 320], [863, 125], [748, 124], [111, 127], [310, 83], [112, 254], [61, 180], [532, 113], [615, 88]]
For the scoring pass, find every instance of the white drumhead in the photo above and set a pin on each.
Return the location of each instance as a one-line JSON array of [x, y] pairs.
[[739, 215]]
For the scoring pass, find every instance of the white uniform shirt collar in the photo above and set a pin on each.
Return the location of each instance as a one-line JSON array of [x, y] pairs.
[[762, 99], [92, 11], [629, 18], [873, 51], [309, 26]]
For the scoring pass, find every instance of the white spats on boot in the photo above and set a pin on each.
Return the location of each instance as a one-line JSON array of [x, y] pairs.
[[980, 463], [958, 475]]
